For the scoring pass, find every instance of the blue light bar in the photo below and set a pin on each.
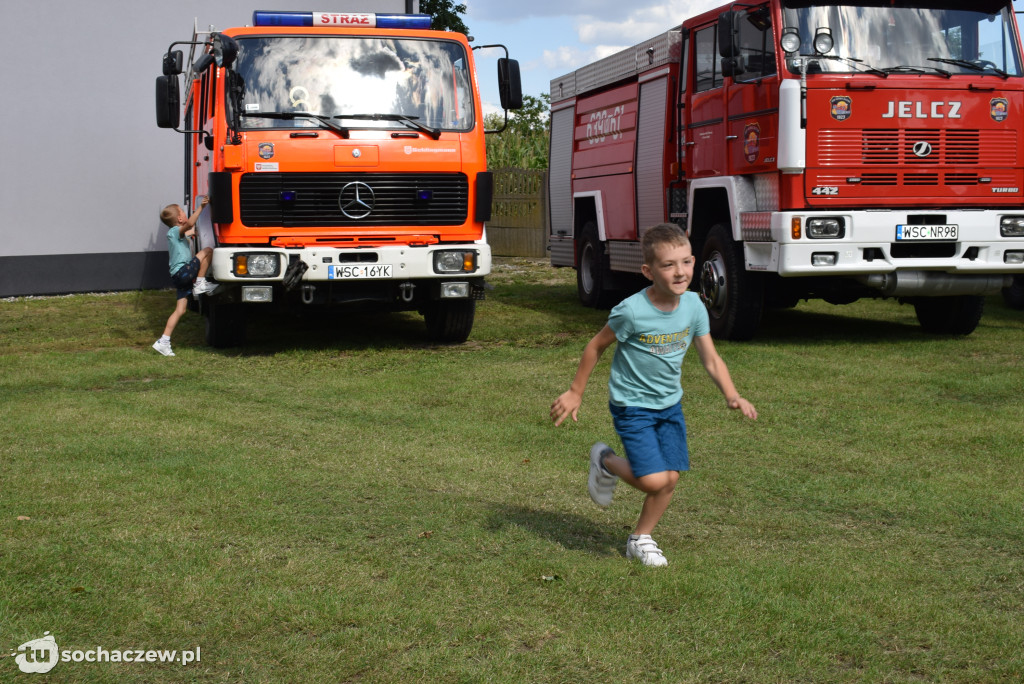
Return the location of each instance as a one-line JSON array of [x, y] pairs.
[[341, 19], [403, 21]]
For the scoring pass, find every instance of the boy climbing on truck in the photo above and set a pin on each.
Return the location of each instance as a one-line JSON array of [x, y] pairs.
[[184, 267], [653, 329]]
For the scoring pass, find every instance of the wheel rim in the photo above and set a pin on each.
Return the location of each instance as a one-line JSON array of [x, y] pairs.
[[586, 266], [713, 289]]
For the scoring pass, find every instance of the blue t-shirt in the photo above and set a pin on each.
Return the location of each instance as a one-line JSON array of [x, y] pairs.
[[179, 249], [651, 345]]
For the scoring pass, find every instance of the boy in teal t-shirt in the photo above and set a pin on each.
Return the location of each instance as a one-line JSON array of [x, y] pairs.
[[188, 273], [653, 329]]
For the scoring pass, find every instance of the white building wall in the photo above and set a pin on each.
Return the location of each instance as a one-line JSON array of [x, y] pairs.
[[84, 170]]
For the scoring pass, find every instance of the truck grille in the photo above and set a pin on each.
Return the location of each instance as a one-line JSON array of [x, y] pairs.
[[316, 199], [895, 147]]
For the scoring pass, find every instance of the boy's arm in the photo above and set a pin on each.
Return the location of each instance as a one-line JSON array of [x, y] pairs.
[[191, 222], [718, 371], [569, 402]]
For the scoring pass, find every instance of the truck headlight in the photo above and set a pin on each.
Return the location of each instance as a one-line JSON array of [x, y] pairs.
[[826, 227], [1011, 226], [257, 265], [454, 290], [455, 261]]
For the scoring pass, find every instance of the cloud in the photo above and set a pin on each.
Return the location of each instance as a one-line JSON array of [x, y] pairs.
[[640, 24], [564, 57], [500, 10]]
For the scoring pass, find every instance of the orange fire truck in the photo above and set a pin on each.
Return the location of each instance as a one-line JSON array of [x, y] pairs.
[[832, 150], [344, 158]]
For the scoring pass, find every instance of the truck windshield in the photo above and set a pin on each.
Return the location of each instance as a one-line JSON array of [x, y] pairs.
[[427, 81], [925, 37]]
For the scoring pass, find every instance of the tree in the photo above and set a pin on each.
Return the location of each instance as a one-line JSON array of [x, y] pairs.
[[524, 144], [445, 15]]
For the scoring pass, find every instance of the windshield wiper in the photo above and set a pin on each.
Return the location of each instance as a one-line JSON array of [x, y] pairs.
[[410, 121], [971, 65], [867, 68], [288, 116], [916, 70]]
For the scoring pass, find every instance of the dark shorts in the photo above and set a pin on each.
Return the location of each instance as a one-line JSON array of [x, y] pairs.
[[655, 440], [184, 277]]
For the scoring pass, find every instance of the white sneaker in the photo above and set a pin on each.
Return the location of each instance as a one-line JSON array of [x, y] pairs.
[[646, 550], [164, 347], [600, 483], [201, 288]]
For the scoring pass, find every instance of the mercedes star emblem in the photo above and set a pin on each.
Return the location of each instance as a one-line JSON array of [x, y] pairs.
[[356, 200]]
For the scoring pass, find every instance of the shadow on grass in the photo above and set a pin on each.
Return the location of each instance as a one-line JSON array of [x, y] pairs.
[[569, 530], [812, 328], [270, 332], [815, 328], [339, 330]]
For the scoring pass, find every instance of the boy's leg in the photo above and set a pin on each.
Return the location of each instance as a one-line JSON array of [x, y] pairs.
[[163, 345], [659, 488], [205, 256], [179, 310], [655, 442], [202, 285]]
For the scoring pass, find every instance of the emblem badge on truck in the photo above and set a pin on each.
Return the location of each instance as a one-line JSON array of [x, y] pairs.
[[356, 200]]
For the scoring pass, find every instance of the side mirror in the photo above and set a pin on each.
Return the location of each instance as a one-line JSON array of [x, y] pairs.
[[168, 102], [172, 63], [510, 88], [728, 32], [202, 64], [225, 49]]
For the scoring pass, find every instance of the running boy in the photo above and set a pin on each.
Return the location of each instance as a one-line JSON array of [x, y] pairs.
[[185, 268], [653, 329]]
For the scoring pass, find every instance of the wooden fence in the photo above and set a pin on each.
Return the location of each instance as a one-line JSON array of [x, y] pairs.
[[519, 215]]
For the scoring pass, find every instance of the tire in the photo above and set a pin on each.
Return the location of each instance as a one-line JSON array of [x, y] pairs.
[[450, 321], [957, 315], [592, 274], [1014, 294], [733, 296], [225, 325]]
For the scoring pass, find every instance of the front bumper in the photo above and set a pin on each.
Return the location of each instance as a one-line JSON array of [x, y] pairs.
[[869, 244], [329, 264]]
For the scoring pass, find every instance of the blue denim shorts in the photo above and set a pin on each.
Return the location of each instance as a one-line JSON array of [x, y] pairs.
[[655, 440], [184, 277]]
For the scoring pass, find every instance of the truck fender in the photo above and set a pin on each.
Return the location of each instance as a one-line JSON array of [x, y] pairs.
[[717, 200]]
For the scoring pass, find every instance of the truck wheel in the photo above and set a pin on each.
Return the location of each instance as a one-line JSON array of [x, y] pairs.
[[225, 325], [591, 271], [733, 296], [450, 321], [958, 315], [1014, 294]]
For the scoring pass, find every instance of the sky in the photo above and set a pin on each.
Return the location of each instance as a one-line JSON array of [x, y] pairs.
[[551, 38]]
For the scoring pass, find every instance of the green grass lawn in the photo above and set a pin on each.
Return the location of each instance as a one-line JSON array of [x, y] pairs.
[[344, 501]]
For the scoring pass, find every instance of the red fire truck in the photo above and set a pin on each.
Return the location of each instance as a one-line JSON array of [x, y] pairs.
[[344, 158], [831, 150]]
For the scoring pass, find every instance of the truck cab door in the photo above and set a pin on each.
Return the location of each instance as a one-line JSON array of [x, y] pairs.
[[705, 107], [752, 93]]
